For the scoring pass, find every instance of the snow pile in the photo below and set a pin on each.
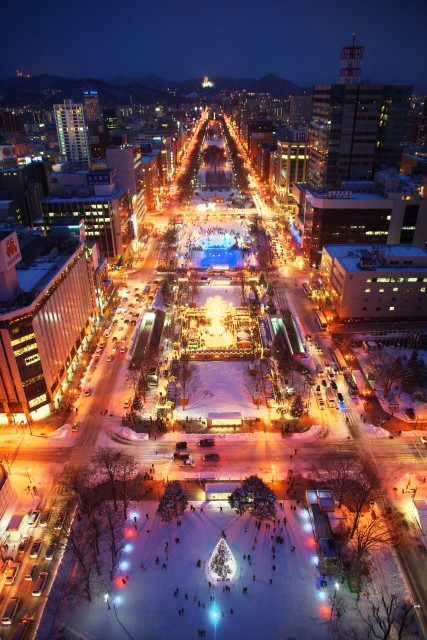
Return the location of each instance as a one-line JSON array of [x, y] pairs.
[[61, 432], [127, 434], [376, 432], [315, 431]]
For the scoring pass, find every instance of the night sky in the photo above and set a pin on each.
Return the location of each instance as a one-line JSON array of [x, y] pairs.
[[299, 40]]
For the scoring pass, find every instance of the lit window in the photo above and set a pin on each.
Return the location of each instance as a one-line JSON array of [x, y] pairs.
[[367, 291]]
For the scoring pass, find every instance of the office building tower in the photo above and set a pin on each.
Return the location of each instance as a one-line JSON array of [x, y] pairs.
[[300, 109], [93, 110], [47, 311], [72, 132], [354, 129]]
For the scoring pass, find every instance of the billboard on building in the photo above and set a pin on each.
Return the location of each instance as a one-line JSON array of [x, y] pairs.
[[10, 253]]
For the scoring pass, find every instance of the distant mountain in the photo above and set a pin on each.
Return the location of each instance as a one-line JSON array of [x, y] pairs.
[[43, 91]]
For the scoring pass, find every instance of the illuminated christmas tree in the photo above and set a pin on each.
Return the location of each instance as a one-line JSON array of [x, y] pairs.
[[222, 565]]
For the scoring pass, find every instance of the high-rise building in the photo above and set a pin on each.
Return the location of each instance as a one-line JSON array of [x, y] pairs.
[[127, 162], [300, 109], [47, 310], [354, 129], [72, 132], [93, 110]]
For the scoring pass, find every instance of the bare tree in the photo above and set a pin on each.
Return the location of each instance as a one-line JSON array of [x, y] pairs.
[[391, 617], [193, 287], [115, 523], [242, 286], [365, 488], [382, 529], [110, 461], [387, 370], [127, 476], [186, 380], [340, 475]]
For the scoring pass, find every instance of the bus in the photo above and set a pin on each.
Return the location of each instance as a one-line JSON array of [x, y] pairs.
[[330, 397], [339, 360], [353, 389], [321, 320], [359, 378]]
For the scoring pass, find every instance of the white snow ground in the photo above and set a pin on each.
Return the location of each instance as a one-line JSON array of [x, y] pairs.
[[145, 607], [221, 386]]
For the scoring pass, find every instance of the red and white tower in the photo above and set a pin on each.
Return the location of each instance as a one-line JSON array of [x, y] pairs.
[[351, 63]]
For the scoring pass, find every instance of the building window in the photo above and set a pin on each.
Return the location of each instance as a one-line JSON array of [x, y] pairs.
[[364, 308], [377, 308], [367, 291], [391, 308]]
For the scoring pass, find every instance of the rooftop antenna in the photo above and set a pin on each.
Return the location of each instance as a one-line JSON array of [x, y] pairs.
[[351, 63]]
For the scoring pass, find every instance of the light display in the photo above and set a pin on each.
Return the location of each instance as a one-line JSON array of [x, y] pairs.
[[222, 564]]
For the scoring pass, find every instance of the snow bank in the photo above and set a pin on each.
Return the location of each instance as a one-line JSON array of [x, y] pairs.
[[127, 434], [316, 431], [376, 432], [61, 432]]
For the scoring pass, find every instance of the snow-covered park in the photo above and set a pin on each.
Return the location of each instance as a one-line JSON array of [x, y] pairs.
[[215, 385], [142, 603]]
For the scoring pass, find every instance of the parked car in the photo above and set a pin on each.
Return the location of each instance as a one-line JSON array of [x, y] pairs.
[[10, 611], [207, 442], [11, 572], [59, 521], [35, 549], [187, 463], [40, 583], [180, 455], [33, 518], [23, 545], [50, 551], [211, 457], [181, 445]]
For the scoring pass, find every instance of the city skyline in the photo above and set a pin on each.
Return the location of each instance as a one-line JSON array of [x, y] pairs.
[[242, 40]]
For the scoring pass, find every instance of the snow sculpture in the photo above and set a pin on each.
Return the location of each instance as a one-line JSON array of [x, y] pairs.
[[222, 565]]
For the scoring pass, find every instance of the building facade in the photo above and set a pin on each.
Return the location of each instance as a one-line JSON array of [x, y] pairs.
[[370, 282], [354, 129], [105, 209], [72, 132], [47, 309]]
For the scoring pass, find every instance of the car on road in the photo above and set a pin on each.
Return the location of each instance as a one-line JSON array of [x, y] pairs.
[[331, 375], [35, 549], [321, 403], [207, 442], [33, 518], [40, 583], [98, 353], [11, 572], [44, 518], [181, 445], [334, 385], [109, 358], [50, 551], [324, 383], [180, 455], [187, 463], [318, 389], [107, 334], [423, 439], [88, 392], [123, 349], [211, 457], [59, 521], [340, 397], [10, 611], [23, 545], [75, 427]]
